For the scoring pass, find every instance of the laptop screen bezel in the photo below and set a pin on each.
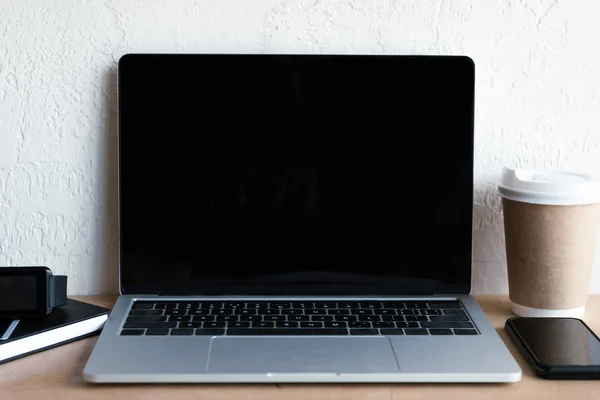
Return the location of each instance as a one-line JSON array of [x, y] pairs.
[[130, 63]]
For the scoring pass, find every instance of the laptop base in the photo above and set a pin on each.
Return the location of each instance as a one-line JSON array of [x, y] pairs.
[[228, 359]]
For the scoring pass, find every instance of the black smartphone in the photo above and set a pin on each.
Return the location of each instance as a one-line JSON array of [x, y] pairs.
[[557, 348]]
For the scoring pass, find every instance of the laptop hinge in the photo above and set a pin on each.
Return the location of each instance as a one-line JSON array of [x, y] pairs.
[[175, 294], [188, 294]]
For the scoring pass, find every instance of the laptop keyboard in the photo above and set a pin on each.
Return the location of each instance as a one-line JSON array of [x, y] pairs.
[[262, 318]]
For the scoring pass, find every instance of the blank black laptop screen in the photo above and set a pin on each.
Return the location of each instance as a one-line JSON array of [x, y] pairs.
[[304, 175]]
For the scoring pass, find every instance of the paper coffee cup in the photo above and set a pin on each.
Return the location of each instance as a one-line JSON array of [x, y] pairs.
[[551, 221]]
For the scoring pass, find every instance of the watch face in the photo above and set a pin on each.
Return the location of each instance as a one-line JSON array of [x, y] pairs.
[[24, 291], [18, 293]]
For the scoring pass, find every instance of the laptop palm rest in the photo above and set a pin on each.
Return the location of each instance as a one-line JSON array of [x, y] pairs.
[[281, 355]]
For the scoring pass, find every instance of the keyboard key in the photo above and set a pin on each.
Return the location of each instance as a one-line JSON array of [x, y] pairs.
[[406, 311], [142, 325], [392, 332], [302, 317], [345, 318], [233, 305], [369, 332], [276, 318], [211, 325], [393, 318], [145, 312], [286, 324], [202, 318], [326, 305], [311, 324], [359, 324], [361, 311], [200, 311], [371, 318], [212, 332], [257, 305], [224, 311], [146, 318], [410, 318], [171, 306], [238, 325], [246, 311], [416, 332], [281, 305], [263, 324], [303, 304], [369, 304], [132, 332], [446, 318], [393, 304], [190, 325], [338, 311], [315, 311], [431, 312], [157, 332], [465, 332], [189, 306], [348, 304], [232, 318], [182, 332], [440, 331], [286, 332], [321, 318], [445, 304], [179, 318], [335, 324], [175, 312], [451, 325], [385, 311], [211, 305], [454, 312], [414, 304], [407, 324], [293, 311], [160, 306], [142, 306], [250, 317], [383, 325], [269, 311]]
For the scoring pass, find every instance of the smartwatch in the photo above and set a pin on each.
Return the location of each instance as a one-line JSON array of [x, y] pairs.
[[30, 291]]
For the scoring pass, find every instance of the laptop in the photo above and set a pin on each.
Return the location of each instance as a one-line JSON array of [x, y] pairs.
[[296, 218]]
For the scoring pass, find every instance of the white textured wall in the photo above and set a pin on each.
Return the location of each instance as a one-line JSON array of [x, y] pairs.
[[538, 100]]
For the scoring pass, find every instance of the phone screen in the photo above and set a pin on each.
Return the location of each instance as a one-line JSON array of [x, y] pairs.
[[559, 341]]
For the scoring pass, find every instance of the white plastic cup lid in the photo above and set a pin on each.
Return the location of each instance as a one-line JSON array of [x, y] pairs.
[[549, 187]]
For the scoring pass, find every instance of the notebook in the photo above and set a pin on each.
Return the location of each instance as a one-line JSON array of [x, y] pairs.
[[66, 324]]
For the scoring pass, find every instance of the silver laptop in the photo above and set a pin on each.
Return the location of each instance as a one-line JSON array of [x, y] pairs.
[[296, 218]]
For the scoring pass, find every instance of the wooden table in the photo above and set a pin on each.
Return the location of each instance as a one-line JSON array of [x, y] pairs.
[[56, 374]]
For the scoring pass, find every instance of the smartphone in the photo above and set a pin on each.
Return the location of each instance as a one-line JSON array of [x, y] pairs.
[[557, 348]]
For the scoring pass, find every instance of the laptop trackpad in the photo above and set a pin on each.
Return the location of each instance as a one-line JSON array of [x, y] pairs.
[[301, 355]]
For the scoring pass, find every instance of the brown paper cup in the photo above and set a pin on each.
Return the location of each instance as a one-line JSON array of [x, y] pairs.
[[550, 252]]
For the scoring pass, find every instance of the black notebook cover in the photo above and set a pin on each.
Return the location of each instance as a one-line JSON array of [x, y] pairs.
[[76, 320]]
